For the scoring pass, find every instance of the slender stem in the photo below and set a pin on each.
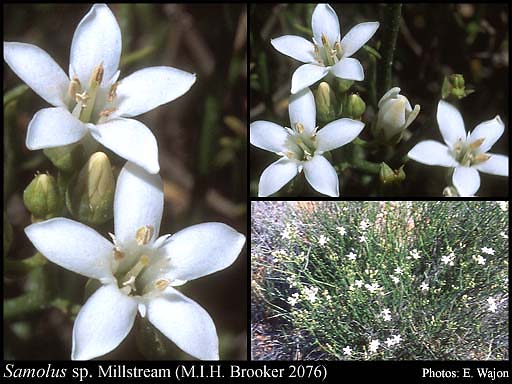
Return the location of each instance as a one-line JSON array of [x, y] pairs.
[[24, 265], [367, 166], [392, 15], [34, 300]]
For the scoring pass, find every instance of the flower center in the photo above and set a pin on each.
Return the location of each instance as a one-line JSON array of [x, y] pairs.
[[469, 154], [301, 146], [91, 104], [135, 267], [326, 54]]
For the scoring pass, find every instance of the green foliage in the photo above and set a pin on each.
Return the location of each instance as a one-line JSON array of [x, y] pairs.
[[335, 269]]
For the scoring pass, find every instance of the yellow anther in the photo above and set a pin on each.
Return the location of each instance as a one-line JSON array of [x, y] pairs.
[[107, 112], [480, 158], [325, 41], [477, 143], [118, 255], [112, 92], [97, 75], [74, 87], [82, 98], [299, 127], [161, 284], [144, 234]]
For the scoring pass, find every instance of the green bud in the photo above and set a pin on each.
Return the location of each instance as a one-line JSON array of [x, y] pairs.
[[66, 158], [388, 176], [343, 85], [42, 197], [354, 107], [90, 198], [326, 103], [454, 87]]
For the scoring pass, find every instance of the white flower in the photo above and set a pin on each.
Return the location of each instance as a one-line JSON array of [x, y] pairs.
[[390, 342], [386, 312], [503, 205], [323, 240], [395, 279], [466, 153], [479, 259], [415, 255], [489, 251], [138, 270], [341, 230], [399, 271], [311, 294], [358, 283], [362, 239], [493, 307], [386, 317], [374, 287], [347, 351], [504, 234], [364, 224], [491, 300], [91, 100], [395, 114], [374, 345], [352, 256], [293, 299], [424, 286], [326, 53], [396, 339], [302, 147], [448, 259], [286, 234]]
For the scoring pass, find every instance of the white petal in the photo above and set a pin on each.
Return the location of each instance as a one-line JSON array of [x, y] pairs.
[[496, 165], [38, 70], [348, 68], [276, 175], [306, 75], [150, 87], [338, 133], [490, 130], [97, 40], [73, 246], [412, 116], [302, 109], [296, 47], [357, 37], [102, 323], [268, 136], [202, 249], [131, 140], [466, 180], [450, 123], [186, 323], [138, 201], [431, 152], [325, 21], [322, 176], [54, 127], [391, 94]]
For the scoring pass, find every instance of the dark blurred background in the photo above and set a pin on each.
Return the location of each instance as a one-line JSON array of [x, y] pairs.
[[434, 40], [202, 152]]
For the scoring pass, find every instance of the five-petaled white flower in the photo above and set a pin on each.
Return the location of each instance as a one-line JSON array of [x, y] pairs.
[[374, 345], [466, 153], [492, 304], [293, 299], [487, 250], [424, 286], [395, 279], [448, 260], [323, 240], [479, 259], [396, 338], [91, 100], [399, 271], [358, 283], [302, 147], [341, 230], [347, 351], [415, 254], [352, 256], [138, 270], [326, 53]]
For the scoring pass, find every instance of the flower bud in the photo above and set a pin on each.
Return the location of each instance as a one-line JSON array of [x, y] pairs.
[[66, 158], [354, 107], [343, 85], [394, 116], [454, 87], [90, 198], [326, 103], [388, 176], [42, 197]]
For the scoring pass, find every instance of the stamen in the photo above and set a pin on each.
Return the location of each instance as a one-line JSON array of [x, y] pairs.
[[299, 127], [112, 92], [144, 234], [162, 284], [338, 49], [480, 158], [477, 143], [118, 255], [107, 112], [74, 87]]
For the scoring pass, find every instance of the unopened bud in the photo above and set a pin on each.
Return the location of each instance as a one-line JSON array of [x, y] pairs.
[[343, 85], [394, 116], [388, 175], [326, 103], [354, 107], [66, 158], [90, 199], [42, 197], [454, 87]]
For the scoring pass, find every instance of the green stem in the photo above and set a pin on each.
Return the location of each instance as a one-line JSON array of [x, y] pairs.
[[34, 300], [367, 166], [24, 265], [392, 15], [14, 93]]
